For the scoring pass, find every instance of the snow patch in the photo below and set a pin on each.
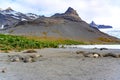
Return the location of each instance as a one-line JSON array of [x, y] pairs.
[[32, 16], [16, 17], [23, 19], [10, 12], [2, 27]]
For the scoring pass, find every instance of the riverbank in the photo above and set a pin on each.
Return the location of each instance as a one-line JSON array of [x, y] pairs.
[[59, 63]]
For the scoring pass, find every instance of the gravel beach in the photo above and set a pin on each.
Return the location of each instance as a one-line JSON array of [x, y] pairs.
[[61, 64]]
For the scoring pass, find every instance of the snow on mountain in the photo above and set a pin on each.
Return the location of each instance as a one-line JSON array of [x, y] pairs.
[[10, 17], [9, 11], [18, 15], [32, 16], [5, 12], [2, 27]]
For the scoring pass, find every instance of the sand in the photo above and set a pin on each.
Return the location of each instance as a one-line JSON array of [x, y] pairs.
[[61, 64]]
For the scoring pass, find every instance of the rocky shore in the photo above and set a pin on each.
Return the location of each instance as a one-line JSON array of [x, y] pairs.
[[61, 63]]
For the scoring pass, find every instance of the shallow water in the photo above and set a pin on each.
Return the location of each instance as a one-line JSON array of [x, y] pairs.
[[93, 46]]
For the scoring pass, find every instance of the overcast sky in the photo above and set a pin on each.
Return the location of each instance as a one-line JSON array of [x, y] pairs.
[[101, 11]]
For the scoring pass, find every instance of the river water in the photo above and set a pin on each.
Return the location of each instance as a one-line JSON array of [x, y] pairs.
[[93, 46]]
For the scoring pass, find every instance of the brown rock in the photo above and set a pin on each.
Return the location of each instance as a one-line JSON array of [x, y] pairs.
[[30, 51]]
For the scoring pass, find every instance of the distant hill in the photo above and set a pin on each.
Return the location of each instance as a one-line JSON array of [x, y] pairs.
[[104, 26], [10, 18], [92, 24], [66, 25]]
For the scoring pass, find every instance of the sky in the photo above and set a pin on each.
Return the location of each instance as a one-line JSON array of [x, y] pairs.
[[105, 12]]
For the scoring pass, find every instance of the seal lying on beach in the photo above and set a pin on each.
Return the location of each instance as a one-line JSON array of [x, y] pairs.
[[97, 55], [24, 58], [92, 55]]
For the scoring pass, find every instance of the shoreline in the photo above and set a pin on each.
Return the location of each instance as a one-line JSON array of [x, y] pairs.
[[108, 46]]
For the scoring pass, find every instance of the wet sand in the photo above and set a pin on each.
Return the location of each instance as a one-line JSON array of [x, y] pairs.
[[61, 64]]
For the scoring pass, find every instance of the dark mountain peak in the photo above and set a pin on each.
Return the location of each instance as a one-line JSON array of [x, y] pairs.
[[71, 11], [9, 9], [70, 14], [92, 24]]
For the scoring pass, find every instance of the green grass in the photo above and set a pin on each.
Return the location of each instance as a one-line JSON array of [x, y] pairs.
[[10, 42]]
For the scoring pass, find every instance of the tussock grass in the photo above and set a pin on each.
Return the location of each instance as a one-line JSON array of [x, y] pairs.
[[11, 42], [105, 39]]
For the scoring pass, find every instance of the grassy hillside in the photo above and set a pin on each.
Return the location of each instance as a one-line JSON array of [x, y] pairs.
[[10, 42]]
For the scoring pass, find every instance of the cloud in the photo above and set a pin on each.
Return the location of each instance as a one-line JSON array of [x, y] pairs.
[[101, 11], [46, 7]]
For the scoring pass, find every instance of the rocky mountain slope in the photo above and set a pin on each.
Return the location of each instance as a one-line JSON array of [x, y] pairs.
[[66, 25]]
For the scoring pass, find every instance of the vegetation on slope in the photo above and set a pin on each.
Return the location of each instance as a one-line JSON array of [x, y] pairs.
[[10, 42]]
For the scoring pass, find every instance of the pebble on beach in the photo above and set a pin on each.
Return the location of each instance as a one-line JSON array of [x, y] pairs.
[[3, 70]]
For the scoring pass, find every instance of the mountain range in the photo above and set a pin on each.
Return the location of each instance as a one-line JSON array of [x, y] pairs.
[[9, 18], [67, 25], [92, 24]]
